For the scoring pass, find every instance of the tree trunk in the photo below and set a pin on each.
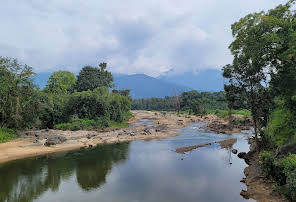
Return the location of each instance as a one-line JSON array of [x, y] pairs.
[[256, 133]]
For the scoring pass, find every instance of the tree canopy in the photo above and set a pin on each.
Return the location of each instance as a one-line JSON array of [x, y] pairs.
[[60, 82], [90, 78]]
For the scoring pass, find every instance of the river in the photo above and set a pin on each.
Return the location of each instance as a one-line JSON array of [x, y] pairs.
[[143, 171]]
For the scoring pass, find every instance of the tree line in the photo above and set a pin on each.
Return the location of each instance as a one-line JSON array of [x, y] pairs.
[[191, 101], [262, 78], [65, 99]]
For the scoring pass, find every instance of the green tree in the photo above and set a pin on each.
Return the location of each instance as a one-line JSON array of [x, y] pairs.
[[60, 82], [18, 98], [90, 78]]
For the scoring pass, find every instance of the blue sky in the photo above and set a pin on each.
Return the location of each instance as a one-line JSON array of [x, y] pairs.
[[132, 36]]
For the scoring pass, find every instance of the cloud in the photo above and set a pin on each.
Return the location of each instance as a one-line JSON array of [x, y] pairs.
[[147, 36]]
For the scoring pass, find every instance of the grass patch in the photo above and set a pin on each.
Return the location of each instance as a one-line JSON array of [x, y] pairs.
[[118, 125], [224, 113], [7, 135], [85, 124]]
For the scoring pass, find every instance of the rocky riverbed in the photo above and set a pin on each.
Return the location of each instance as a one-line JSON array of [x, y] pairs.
[[39, 142]]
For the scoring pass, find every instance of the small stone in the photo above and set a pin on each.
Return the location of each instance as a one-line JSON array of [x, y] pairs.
[[234, 151]]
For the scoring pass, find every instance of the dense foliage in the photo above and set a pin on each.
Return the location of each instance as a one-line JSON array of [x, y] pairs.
[[192, 101], [18, 95], [262, 78], [85, 103], [90, 78], [283, 170]]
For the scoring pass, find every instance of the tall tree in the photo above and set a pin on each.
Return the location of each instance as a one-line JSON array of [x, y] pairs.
[[60, 82], [17, 94], [264, 49], [90, 78]]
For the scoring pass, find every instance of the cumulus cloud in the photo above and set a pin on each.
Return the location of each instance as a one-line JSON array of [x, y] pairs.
[[147, 36]]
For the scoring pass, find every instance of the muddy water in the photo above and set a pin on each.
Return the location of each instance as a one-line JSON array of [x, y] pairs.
[[129, 172]]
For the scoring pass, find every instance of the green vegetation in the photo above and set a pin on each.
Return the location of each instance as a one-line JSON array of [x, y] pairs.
[[91, 78], [85, 124], [262, 79], [283, 170], [225, 113], [65, 103], [192, 102], [7, 135]]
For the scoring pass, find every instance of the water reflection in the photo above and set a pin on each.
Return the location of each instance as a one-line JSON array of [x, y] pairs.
[[26, 180], [137, 171]]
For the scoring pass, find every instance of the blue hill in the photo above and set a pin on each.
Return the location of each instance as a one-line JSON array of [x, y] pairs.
[[210, 80]]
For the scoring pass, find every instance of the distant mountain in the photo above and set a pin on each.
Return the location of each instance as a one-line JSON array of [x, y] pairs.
[[205, 80], [143, 86]]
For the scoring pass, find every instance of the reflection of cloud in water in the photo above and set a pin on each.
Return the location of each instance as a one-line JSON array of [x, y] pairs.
[[149, 171]]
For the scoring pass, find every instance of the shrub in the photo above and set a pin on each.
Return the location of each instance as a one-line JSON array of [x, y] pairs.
[[280, 127], [266, 161], [287, 169], [80, 124], [7, 134], [282, 170]]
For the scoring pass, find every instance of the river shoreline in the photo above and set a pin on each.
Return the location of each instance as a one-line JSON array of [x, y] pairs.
[[259, 187], [32, 143], [164, 124]]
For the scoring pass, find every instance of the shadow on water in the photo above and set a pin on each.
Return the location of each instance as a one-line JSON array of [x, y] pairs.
[[26, 180], [136, 171]]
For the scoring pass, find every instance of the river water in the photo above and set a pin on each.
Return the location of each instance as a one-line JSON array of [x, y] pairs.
[[146, 171]]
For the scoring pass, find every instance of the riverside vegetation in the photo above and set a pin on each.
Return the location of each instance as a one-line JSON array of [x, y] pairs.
[[66, 103], [262, 79]]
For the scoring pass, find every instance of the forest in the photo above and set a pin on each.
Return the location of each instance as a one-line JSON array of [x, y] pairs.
[[65, 103], [262, 79], [193, 102]]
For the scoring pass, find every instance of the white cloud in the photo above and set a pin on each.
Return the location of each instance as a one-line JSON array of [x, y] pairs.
[[148, 36]]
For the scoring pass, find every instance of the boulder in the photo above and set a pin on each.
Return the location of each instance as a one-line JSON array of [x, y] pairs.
[[286, 149], [242, 155], [245, 194], [54, 140]]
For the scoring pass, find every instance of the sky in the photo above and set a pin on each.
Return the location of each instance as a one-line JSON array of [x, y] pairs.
[[132, 36]]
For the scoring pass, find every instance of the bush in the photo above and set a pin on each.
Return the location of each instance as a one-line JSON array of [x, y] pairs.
[[280, 127], [286, 168], [266, 161], [7, 135], [82, 124], [224, 113], [282, 170]]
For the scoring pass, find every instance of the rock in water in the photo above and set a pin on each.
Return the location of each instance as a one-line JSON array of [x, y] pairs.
[[245, 194], [234, 151], [242, 155]]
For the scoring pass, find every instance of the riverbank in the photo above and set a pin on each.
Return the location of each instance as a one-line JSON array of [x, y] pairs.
[[40, 142], [259, 187]]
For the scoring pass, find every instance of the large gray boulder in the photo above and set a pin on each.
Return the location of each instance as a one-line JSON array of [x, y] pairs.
[[286, 149], [54, 140]]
